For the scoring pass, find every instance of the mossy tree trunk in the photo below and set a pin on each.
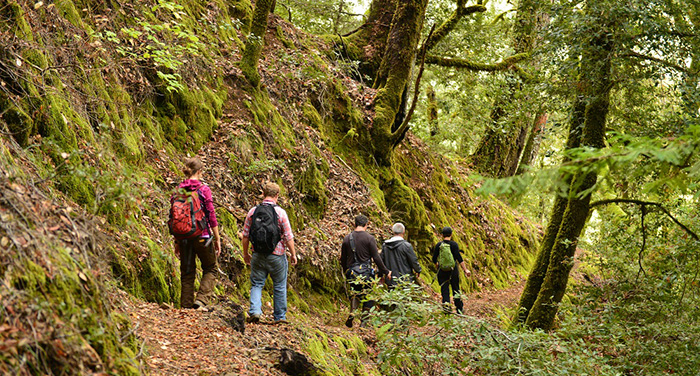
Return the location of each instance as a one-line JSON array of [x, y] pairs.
[[532, 145], [256, 39], [368, 43], [539, 269], [393, 76], [595, 79], [432, 111], [691, 82], [498, 151]]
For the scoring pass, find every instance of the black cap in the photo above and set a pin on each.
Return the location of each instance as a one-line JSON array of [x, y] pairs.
[[446, 231]]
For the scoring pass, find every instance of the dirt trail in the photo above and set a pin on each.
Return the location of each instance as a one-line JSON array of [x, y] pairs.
[[187, 342]]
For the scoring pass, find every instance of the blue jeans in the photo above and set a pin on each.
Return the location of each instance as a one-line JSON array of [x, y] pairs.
[[260, 267]]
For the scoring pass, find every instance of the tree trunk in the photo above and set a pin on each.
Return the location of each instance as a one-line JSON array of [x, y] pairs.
[[394, 74], [432, 111], [532, 145], [539, 269], [369, 42], [256, 39], [691, 81], [498, 152], [595, 74], [338, 16]]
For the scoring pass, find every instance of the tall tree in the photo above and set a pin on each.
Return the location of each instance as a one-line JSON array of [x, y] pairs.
[[256, 39], [368, 43], [547, 282], [499, 150], [534, 139], [394, 75]]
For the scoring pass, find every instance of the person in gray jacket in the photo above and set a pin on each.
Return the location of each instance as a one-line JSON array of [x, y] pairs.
[[399, 257]]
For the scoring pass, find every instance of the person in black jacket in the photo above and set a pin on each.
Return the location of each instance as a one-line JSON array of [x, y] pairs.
[[450, 278], [399, 257], [360, 259]]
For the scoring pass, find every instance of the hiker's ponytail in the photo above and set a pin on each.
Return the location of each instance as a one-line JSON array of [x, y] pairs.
[[192, 165]]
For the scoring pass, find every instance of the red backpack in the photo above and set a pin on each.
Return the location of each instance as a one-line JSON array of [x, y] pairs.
[[187, 218]]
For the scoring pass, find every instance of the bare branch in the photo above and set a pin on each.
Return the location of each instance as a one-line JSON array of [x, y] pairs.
[[649, 203], [644, 243], [451, 22], [655, 59], [505, 64]]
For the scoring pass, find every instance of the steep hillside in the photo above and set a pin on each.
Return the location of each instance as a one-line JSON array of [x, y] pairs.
[[100, 101]]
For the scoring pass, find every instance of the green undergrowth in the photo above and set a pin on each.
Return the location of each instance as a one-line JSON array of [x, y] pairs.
[[415, 337], [323, 349], [58, 313]]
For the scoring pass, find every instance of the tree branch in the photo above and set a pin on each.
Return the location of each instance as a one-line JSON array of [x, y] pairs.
[[655, 59], [403, 128], [649, 203], [452, 21], [505, 64], [644, 243]]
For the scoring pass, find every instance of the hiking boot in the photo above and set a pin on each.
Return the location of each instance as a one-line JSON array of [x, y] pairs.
[[281, 322], [348, 322], [253, 319]]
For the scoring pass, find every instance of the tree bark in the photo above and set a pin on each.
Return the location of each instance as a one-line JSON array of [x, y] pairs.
[[595, 78], [691, 81], [532, 144], [452, 21], [432, 111], [394, 74], [539, 269], [370, 40], [498, 152], [254, 43]]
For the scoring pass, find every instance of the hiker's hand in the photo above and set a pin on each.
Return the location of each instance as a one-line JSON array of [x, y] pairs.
[[388, 276], [293, 259], [246, 258], [217, 247], [177, 250]]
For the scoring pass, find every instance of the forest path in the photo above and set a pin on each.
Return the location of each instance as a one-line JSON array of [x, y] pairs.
[[188, 342]]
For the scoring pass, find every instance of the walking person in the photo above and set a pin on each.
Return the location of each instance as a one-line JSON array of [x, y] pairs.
[[400, 258], [446, 256], [357, 251], [267, 229], [193, 223]]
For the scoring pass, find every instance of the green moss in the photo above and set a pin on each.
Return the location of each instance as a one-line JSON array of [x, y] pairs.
[[298, 302], [70, 13], [405, 206], [19, 124], [283, 38], [243, 11], [312, 116], [35, 57], [312, 184], [254, 44], [13, 13]]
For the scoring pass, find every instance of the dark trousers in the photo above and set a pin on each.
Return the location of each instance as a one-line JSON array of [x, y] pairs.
[[190, 249], [448, 279], [358, 293]]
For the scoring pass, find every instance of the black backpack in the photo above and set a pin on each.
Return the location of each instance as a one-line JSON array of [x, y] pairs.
[[264, 229]]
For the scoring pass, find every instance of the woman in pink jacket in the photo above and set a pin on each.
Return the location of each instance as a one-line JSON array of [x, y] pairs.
[[204, 247]]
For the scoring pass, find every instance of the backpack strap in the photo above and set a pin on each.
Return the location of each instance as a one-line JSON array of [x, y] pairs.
[[206, 212], [352, 246]]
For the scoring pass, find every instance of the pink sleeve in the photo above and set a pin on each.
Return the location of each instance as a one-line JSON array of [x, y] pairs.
[[209, 206], [287, 234], [246, 224]]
